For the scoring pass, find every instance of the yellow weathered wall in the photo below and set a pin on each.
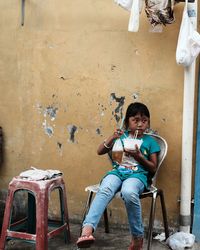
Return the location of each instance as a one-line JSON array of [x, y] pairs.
[[68, 58]]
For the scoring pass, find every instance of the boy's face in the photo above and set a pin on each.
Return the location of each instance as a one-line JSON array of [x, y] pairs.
[[138, 122]]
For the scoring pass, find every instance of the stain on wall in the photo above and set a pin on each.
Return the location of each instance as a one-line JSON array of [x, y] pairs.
[[51, 112], [118, 112], [72, 129], [102, 109], [135, 96], [47, 129], [98, 131]]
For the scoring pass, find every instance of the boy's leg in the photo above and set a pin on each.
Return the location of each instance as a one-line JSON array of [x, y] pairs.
[[131, 190], [108, 188]]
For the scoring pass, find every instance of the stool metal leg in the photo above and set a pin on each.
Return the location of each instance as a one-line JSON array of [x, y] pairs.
[[151, 220], [64, 215], [164, 213], [106, 223]]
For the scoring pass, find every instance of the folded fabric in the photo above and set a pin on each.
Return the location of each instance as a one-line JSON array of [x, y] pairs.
[[35, 174]]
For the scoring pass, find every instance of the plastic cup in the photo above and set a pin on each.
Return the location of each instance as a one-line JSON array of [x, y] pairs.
[[130, 143]]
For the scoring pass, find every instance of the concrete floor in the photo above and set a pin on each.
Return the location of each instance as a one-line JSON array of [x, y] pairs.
[[116, 239]]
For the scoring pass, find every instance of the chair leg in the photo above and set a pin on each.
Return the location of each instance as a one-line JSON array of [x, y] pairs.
[[31, 221], [42, 221], [164, 213], [151, 220], [64, 214], [106, 224], [6, 219], [87, 206]]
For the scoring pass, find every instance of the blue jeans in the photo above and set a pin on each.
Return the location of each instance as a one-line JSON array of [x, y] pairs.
[[130, 189]]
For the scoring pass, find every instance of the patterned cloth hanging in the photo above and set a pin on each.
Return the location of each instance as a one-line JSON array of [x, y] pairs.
[[160, 11]]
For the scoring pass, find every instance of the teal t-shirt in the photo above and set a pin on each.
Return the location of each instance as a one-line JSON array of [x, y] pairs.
[[149, 146]]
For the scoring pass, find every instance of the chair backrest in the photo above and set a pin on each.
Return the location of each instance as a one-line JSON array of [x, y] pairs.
[[161, 156]]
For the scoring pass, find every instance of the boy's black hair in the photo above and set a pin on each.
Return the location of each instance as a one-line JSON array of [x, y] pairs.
[[134, 109]]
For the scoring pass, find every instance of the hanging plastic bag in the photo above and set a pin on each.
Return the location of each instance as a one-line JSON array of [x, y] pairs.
[[180, 240], [127, 4], [135, 7], [188, 46], [133, 25]]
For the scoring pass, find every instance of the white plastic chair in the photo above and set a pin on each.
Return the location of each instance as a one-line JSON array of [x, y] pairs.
[[153, 193]]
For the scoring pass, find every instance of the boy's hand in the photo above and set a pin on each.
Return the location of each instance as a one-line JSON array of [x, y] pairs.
[[117, 133], [136, 154]]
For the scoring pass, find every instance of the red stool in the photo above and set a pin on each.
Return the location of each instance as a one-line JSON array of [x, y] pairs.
[[37, 220]]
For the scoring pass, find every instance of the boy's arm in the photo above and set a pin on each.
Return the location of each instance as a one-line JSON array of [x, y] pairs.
[[150, 164], [107, 145]]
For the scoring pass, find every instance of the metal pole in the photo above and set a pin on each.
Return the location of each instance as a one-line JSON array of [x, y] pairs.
[[196, 217], [187, 135]]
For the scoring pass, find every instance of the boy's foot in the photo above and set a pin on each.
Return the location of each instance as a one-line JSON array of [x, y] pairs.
[[86, 239], [136, 243]]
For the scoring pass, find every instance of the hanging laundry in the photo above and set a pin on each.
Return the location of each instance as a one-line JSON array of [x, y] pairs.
[[159, 12], [127, 4], [133, 25], [188, 46], [135, 8]]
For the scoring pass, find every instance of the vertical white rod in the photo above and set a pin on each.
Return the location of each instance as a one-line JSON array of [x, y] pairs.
[[187, 136]]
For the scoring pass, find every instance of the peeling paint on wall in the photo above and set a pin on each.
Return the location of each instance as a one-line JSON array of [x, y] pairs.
[[60, 146], [51, 112], [113, 67], [117, 113], [48, 129], [135, 95], [98, 132], [102, 109], [72, 129]]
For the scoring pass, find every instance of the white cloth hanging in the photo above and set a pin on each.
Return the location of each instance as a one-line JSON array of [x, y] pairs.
[[133, 25], [188, 46], [127, 4]]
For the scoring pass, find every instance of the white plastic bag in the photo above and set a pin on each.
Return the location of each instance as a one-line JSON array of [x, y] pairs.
[[133, 25], [126, 4], [188, 46], [180, 240]]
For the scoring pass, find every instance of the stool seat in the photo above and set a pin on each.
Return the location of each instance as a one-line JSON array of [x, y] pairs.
[[37, 221]]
